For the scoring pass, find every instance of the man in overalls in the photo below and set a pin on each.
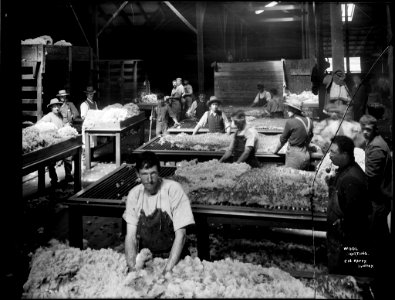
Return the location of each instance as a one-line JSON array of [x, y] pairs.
[[348, 205], [157, 214], [215, 118], [244, 142]]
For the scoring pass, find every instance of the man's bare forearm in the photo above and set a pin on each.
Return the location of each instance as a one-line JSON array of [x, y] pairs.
[[176, 249], [130, 251]]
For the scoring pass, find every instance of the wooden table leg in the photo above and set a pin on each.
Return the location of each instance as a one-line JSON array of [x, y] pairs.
[[75, 227], [41, 179], [77, 171], [142, 133], [202, 235], [118, 149], [87, 151]]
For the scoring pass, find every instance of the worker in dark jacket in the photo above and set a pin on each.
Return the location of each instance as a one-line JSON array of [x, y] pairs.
[[198, 108], [215, 118], [298, 131], [378, 168], [244, 143], [348, 206]]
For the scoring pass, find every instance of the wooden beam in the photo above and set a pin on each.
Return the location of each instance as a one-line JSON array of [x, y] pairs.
[[115, 14], [143, 11], [289, 19], [277, 7], [178, 14], [337, 37], [200, 11]]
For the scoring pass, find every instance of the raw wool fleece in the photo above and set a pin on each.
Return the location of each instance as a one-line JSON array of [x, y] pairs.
[[60, 271]]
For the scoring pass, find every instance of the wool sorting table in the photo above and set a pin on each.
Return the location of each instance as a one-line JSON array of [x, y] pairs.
[[107, 197], [122, 128], [39, 159], [166, 152], [187, 126]]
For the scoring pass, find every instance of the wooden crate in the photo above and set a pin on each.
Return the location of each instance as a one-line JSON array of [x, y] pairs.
[[236, 83], [298, 74]]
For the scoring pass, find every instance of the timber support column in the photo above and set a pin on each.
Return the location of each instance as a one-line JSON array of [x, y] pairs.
[[337, 37], [200, 11]]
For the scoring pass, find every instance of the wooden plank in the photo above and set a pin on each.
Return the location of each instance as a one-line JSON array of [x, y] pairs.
[[29, 101], [29, 113], [27, 77], [260, 66], [29, 88]]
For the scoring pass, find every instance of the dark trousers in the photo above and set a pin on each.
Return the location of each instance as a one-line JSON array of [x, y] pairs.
[[68, 165]]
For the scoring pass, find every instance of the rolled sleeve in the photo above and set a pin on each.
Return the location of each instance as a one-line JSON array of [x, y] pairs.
[[180, 207], [203, 120], [132, 211], [251, 138]]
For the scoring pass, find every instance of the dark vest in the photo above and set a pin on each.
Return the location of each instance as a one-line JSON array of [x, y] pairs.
[[90, 104], [216, 123], [201, 108]]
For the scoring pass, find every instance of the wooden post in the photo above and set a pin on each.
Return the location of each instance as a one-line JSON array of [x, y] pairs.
[[311, 31], [337, 36], [347, 50], [200, 11], [318, 15], [390, 55], [135, 74]]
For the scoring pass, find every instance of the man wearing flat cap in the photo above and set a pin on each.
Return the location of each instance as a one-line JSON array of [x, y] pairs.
[[215, 118], [55, 117], [68, 109]]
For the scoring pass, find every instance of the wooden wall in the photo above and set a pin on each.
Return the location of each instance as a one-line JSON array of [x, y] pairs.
[[236, 83], [298, 74]]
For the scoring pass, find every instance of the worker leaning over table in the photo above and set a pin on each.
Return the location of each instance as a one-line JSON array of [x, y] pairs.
[[298, 132], [215, 118], [244, 143], [157, 214]]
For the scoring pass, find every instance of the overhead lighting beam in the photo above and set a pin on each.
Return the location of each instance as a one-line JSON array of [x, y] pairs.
[[259, 11]]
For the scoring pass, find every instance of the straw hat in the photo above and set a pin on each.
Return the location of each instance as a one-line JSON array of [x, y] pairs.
[[294, 103], [213, 99], [54, 101], [62, 93], [90, 90]]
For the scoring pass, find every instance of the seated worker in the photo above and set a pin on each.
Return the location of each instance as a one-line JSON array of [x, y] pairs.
[[262, 97], [55, 117], [244, 142], [216, 119], [163, 111], [157, 214], [298, 132], [68, 109], [275, 105], [198, 107]]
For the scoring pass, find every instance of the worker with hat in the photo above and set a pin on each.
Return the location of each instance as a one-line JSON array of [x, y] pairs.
[[85, 106], [214, 118], [55, 117], [68, 109], [263, 96], [298, 132]]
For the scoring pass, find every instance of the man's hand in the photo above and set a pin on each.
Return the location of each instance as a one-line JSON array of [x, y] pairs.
[[131, 268]]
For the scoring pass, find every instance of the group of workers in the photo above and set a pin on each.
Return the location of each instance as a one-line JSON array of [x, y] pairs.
[[64, 113], [359, 205]]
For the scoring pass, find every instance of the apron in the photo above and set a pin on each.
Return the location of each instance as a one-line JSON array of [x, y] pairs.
[[262, 101], [238, 149], [298, 157], [176, 108]]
